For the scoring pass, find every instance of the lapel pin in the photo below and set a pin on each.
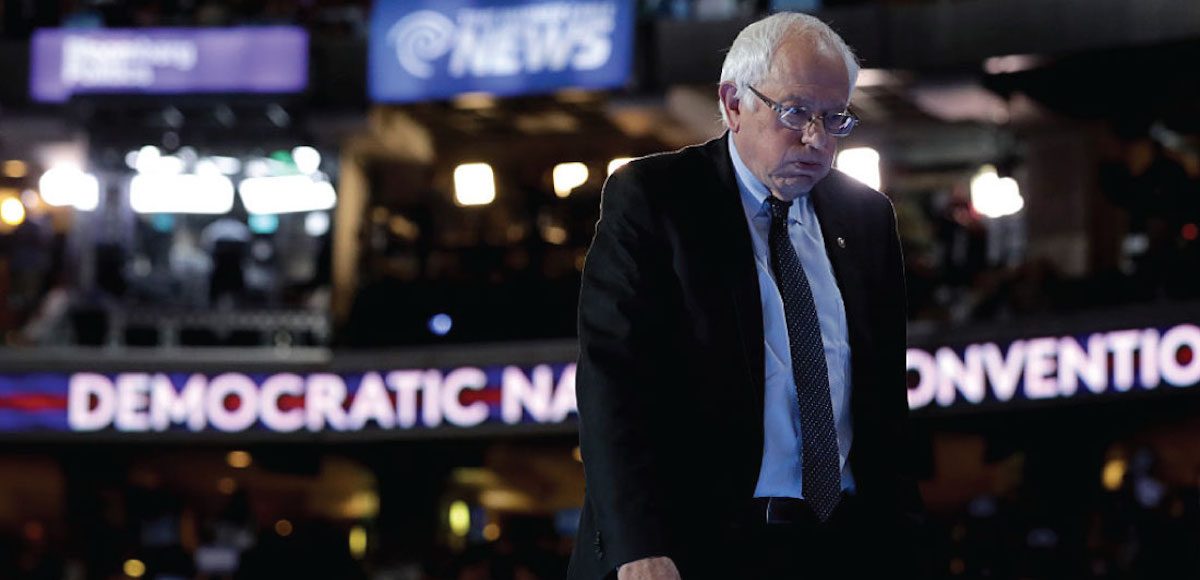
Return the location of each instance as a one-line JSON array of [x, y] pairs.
[[841, 242]]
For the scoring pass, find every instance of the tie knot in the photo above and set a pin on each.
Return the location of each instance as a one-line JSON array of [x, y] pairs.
[[779, 208]]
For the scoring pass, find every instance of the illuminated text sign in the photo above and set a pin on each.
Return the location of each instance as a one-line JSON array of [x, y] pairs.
[[1102, 363], [288, 402], [427, 49], [270, 59]]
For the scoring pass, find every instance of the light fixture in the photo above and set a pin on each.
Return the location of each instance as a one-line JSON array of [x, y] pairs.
[[189, 194], [861, 163], [459, 518], [134, 568], [994, 196], [1114, 474], [15, 168], [238, 459], [618, 163], [491, 532], [226, 165], [307, 159], [316, 224], [358, 542], [264, 224], [286, 194], [474, 184], [12, 211], [568, 176], [66, 185], [440, 324], [146, 160]]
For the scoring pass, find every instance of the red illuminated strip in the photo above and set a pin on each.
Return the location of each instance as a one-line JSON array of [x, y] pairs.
[[33, 402]]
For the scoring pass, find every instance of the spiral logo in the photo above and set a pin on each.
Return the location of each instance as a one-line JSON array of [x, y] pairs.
[[419, 38]]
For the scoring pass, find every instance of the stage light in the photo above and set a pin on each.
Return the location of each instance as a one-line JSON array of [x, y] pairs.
[[568, 176], [12, 211], [147, 159], [491, 532], [358, 542], [460, 518], [134, 568], [316, 224], [307, 159], [188, 194], [1114, 474], [994, 196], [861, 163], [440, 324], [286, 194], [618, 163], [283, 528], [238, 459], [474, 184], [15, 169], [66, 185]]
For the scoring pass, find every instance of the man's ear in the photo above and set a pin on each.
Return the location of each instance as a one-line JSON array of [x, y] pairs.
[[732, 105]]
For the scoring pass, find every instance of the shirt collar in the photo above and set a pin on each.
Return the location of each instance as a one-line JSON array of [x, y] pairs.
[[754, 193]]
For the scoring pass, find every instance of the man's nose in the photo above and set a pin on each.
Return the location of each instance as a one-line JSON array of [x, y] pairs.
[[814, 134]]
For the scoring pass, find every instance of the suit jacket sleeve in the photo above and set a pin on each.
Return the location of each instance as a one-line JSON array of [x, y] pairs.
[[906, 502], [621, 332]]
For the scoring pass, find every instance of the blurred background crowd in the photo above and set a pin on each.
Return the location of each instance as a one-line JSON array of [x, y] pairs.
[[289, 189]]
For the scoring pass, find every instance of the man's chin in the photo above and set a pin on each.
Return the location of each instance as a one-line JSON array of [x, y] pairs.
[[793, 187]]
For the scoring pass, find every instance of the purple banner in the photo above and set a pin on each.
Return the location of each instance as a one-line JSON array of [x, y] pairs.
[[263, 59]]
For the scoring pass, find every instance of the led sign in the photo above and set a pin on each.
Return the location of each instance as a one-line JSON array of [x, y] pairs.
[[252, 59], [426, 49], [287, 402], [1055, 367]]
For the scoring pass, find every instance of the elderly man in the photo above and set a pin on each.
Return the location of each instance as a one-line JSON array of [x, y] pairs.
[[741, 378]]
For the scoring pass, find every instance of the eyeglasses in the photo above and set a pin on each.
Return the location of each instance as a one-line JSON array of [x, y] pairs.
[[797, 118]]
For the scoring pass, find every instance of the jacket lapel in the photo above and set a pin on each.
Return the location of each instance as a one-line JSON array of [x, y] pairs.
[[840, 246]]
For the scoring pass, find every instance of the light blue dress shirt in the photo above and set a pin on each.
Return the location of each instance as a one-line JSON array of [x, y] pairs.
[[781, 474]]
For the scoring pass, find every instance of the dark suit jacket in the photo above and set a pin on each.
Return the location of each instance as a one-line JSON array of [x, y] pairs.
[[670, 375]]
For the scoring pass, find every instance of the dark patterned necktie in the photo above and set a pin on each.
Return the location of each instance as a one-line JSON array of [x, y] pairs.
[[822, 477]]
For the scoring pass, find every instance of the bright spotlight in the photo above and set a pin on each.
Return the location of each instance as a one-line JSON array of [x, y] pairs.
[[994, 196], [191, 194], [134, 568], [568, 176], [861, 163], [358, 542], [460, 518], [12, 211], [474, 184], [147, 159], [286, 194], [66, 185], [316, 223], [618, 163], [307, 159], [1114, 474]]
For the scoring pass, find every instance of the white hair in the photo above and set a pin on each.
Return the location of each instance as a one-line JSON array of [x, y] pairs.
[[749, 59]]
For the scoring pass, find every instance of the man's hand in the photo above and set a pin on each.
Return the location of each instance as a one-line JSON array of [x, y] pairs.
[[658, 568]]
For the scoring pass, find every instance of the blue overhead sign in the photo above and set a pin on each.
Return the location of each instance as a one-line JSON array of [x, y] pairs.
[[436, 49]]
